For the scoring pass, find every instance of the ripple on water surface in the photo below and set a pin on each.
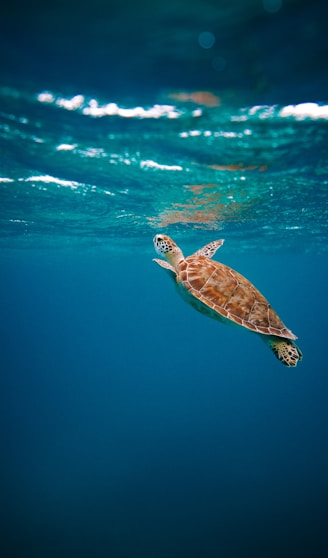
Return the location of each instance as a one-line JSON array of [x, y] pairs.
[[78, 170]]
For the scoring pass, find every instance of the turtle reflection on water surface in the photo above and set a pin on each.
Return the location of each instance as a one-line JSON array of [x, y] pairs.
[[219, 292]]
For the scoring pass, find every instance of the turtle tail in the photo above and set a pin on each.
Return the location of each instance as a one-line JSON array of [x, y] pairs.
[[284, 349]]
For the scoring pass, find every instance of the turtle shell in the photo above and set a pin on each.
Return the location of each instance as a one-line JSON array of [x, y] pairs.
[[220, 292]]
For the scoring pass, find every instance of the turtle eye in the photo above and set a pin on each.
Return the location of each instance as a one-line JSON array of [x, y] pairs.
[[158, 240]]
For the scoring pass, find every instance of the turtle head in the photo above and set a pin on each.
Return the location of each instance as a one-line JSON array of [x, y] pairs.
[[165, 246]]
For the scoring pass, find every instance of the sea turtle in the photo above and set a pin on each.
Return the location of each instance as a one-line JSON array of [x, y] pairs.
[[221, 293]]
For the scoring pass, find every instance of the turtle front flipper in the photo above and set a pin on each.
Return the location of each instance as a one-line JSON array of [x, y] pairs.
[[209, 250], [166, 265], [284, 349]]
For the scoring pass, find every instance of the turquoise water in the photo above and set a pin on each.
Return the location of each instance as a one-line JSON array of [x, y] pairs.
[[132, 426], [85, 171]]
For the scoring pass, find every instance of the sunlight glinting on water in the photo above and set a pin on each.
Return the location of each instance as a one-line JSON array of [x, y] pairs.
[[305, 110], [301, 111], [66, 147], [93, 108], [215, 134], [153, 165], [46, 179]]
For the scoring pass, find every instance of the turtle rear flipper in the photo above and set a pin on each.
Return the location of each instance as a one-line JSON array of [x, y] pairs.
[[284, 349]]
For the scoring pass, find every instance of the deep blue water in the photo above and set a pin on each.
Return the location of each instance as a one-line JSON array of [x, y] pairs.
[[132, 426]]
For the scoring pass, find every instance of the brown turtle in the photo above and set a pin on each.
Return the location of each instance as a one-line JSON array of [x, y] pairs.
[[219, 292]]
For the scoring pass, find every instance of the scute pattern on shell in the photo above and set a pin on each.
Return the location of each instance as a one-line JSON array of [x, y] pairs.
[[231, 295]]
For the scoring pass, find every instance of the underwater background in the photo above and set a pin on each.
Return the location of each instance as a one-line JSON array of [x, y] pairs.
[[132, 426]]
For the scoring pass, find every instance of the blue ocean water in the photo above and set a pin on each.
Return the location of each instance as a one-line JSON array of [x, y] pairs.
[[132, 426]]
